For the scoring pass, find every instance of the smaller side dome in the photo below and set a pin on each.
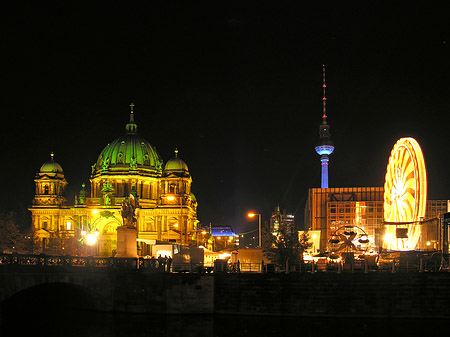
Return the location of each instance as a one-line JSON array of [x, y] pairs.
[[51, 166], [176, 165]]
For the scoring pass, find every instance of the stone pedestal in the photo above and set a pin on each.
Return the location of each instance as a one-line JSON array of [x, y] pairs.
[[126, 242]]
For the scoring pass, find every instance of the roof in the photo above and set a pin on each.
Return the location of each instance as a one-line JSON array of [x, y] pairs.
[[128, 153], [176, 165], [222, 231], [51, 168]]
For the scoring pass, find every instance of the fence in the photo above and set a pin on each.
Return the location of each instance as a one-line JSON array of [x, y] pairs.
[[412, 261]]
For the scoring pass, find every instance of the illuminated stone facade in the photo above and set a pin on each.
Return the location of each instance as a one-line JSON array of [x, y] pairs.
[[167, 209]]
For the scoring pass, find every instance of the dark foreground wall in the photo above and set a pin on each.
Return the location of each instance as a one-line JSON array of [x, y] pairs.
[[331, 294], [320, 294]]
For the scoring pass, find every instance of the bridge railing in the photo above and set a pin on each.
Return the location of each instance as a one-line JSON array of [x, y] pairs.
[[43, 260]]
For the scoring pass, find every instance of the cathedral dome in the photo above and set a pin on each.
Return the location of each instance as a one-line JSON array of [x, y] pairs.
[[51, 167], [129, 154], [176, 165]]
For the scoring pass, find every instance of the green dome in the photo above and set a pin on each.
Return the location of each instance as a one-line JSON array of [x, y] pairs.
[[176, 164], [51, 166], [129, 154]]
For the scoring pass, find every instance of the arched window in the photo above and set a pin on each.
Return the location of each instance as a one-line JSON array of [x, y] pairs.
[[149, 224], [172, 188]]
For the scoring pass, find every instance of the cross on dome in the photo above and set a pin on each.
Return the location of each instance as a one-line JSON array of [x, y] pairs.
[[131, 127]]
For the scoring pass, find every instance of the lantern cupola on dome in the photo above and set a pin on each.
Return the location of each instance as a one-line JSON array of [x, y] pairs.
[[51, 167], [177, 166]]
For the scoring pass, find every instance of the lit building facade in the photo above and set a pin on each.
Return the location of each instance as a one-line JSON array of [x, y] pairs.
[[129, 165], [282, 219], [328, 209], [224, 237]]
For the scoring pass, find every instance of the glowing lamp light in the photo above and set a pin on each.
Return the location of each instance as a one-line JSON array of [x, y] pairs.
[[170, 198], [251, 215], [224, 256], [163, 253], [83, 232], [95, 211], [91, 239]]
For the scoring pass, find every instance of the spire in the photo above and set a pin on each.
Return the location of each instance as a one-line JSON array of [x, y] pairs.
[[52, 155], [131, 127], [176, 153], [324, 98], [324, 129]]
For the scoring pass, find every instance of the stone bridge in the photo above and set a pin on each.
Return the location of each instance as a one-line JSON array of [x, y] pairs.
[[30, 284]]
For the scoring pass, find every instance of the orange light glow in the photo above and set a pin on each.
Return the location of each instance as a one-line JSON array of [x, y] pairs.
[[405, 194], [91, 239], [251, 215]]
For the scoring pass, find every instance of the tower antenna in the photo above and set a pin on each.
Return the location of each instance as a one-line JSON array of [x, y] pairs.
[[324, 98]]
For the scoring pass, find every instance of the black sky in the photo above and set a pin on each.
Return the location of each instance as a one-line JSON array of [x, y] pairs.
[[235, 87]]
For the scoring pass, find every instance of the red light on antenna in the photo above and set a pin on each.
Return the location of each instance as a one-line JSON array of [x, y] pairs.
[[324, 99], [324, 86]]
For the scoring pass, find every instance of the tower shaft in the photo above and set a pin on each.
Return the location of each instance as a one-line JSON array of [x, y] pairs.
[[324, 160]]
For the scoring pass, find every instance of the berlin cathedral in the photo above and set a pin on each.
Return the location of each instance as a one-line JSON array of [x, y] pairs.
[[128, 167]]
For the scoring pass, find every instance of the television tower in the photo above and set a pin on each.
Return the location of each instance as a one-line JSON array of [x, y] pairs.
[[325, 146]]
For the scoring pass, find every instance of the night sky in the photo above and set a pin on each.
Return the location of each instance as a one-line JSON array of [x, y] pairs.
[[237, 88]]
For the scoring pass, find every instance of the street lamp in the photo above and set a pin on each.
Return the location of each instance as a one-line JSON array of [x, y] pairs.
[[90, 237], [252, 215]]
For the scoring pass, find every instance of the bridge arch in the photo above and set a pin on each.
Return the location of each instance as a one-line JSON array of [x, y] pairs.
[[49, 297], [55, 308]]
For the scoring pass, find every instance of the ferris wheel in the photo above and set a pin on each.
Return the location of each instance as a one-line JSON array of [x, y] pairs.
[[405, 194]]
